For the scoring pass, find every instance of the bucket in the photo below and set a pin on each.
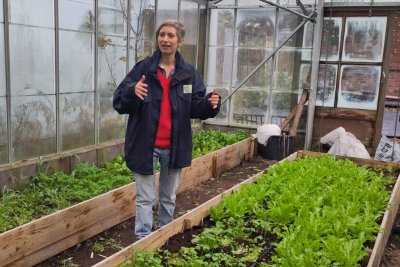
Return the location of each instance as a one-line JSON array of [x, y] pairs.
[[278, 147]]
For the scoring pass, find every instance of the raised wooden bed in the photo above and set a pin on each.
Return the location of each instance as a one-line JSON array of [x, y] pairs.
[[196, 216], [41, 239]]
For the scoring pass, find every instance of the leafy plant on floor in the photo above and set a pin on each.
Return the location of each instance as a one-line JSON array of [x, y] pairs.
[[319, 211], [100, 245], [45, 194]]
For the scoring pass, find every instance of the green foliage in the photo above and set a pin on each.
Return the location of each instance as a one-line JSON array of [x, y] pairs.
[[322, 211], [45, 194], [207, 141]]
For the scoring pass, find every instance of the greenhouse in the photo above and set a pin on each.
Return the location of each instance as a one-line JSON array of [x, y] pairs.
[[301, 84]]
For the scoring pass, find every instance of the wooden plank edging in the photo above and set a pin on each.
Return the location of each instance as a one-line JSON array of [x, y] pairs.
[[158, 238], [195, 217], [45, 237]]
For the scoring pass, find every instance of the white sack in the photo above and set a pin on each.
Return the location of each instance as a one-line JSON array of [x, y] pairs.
[[266, 131], [344, 144], [387, 150]]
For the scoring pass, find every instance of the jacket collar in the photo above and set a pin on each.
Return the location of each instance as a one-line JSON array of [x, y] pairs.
[[181, 67]]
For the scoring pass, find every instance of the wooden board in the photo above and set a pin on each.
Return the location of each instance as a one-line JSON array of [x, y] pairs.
[[158, 238], [195, 217], [38, 240]]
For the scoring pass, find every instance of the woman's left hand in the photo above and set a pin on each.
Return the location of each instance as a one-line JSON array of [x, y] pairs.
[[214, 99]]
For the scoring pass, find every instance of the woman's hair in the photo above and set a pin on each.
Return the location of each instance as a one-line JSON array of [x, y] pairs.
[[180, 31]]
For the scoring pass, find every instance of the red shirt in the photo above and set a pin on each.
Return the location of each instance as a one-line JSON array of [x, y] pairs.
[[163, 139]]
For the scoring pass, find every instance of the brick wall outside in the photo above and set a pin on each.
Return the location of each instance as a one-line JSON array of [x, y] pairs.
[[393, 79]]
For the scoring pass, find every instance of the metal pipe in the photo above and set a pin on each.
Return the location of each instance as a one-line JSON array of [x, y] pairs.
[[11, 154], [314, 73], [310, 18], [300, 4], [266, 59]]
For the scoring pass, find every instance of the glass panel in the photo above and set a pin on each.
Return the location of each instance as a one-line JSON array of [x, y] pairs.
[[189, 53], [326, 85], [246, 60], [201, 58], [83, 15], [76, 47], [29, 12], [287, 23], [31, 60], [140, 49], [226, 2], [112, 16], [250, 2], [222, 115], [77, 120], [219, 66], [255, 28], [282, 103], [143, 19], [2, 62], [1, 12], [112, 66], [33, 126], [250, 106], [167, 9], [359, 87], [189, 15], [304, 75], [223, 112], [331, 34], [3, 131], [222, 31], [112, 125], [308, 35], [364, 39], [287, 65]]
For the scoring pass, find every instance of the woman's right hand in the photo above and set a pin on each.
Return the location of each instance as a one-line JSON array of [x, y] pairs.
[[141, 88]]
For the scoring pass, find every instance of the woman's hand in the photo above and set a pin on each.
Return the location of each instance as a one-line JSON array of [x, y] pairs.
[[141, 88], [214, 99]]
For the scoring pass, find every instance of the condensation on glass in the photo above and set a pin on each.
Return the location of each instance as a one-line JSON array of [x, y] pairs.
[[359, 87], [167, 9], [327, 74], [28, 12], [287, 23], [219, 69], [31, 60], [2, 63], [77, 120], [3, 131], [33, 126], [3, 105], [188, 11], [359, 58], [111, 70], [364, 39], [112, 16], [142, 30], [221, 31], [331, 34]]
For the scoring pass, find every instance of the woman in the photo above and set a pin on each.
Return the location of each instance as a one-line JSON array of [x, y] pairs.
[[161, 94]]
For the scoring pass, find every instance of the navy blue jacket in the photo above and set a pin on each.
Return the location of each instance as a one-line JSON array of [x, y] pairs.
[[188, 101]]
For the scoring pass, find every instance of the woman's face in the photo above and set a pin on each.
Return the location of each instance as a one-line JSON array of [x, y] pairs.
[[167, 40]]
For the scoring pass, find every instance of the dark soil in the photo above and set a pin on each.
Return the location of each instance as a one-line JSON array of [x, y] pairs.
[[122, 235], [391, 256]]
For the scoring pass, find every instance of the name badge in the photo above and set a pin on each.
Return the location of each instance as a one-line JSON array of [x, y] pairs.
[[187, 89]]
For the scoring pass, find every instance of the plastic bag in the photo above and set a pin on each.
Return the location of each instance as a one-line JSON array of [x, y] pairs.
[[266, 131], [387, 150], [344, 144]]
